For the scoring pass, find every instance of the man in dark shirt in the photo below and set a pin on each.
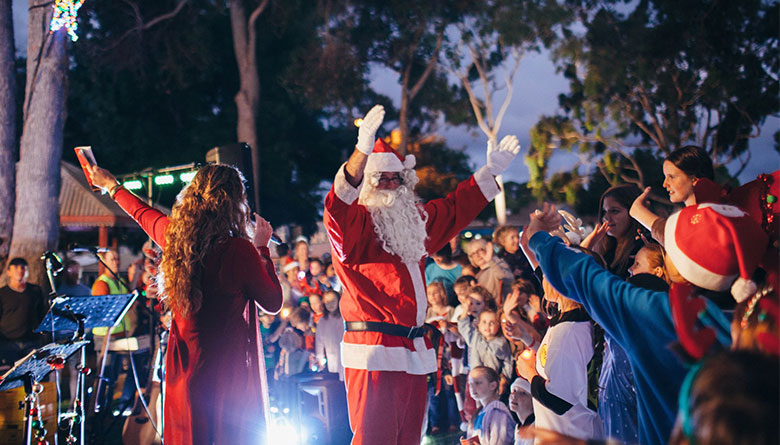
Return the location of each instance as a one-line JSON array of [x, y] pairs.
[[22, 307]]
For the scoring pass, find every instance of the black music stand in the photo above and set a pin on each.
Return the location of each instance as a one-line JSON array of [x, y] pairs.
[[33, 368], [79, 314]]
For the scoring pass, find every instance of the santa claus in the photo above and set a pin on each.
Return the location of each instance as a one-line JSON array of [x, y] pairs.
[[380, 234]]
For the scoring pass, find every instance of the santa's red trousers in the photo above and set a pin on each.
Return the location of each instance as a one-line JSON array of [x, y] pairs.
[[385, 407]]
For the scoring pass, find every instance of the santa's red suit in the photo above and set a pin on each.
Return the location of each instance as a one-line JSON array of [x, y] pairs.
[[386, 374]]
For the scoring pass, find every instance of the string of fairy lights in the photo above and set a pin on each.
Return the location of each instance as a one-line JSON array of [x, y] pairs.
[[65, 14]]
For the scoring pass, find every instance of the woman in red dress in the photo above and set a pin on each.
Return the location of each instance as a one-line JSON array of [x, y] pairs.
[[211, 276]]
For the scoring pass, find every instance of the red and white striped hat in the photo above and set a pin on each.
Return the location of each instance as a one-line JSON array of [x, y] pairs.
[[385, 159], [712, 244]]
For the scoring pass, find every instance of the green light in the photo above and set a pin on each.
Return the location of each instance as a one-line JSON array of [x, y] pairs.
[[163, 179], [133, 185], [187, 176]]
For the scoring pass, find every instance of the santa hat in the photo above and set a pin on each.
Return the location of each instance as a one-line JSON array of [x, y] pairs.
[[289, 264], [712, 244], [521, 384], [385, 159]]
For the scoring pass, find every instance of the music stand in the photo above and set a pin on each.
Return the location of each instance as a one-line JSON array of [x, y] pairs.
[[33, 368], [79, 314]]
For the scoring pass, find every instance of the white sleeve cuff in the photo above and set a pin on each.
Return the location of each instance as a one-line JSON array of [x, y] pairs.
[[487, 183], [343, 189]]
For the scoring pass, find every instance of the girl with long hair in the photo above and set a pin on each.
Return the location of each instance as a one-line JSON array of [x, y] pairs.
[[212, 274], [615, 238]]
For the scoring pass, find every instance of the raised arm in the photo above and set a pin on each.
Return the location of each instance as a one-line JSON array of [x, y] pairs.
[[151, 220], [365, 145]]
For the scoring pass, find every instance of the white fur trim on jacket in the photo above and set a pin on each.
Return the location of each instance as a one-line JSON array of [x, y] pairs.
[[688, 268], [343, 189], [384, 358], [487, 183]]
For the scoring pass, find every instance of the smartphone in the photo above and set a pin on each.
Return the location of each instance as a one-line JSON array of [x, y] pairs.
[[86, 160]]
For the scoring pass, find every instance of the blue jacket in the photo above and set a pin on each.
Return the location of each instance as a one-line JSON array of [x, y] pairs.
[[638, 319]]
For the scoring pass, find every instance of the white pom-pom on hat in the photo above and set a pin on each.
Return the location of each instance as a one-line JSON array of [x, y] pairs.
[[742, 289]]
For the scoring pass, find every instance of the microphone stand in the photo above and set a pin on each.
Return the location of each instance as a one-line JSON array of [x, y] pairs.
[[49, 258]]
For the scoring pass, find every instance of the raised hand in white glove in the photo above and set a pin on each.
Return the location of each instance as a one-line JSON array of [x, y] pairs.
[[367, 132], [499, 158]]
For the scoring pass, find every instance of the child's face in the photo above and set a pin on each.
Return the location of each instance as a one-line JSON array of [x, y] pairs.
[[479, 386], [475, 304], [330, 271], [488, 325], [315, 268], [642, 264], [292, 274], [435, 296], [520, 401], [462, 291], [316, 304], [301, 326], [331, 301], [267, 319]]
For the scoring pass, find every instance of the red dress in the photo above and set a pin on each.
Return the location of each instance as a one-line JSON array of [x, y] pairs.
[[214, 390]]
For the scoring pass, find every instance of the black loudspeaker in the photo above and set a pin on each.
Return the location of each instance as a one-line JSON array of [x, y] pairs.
[[240, 156], [322, 410]]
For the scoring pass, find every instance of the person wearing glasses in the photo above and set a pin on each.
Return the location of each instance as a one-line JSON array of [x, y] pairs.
[[380, 234]]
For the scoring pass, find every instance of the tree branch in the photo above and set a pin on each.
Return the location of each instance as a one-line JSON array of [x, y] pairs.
[[428, 69], [141, 26]]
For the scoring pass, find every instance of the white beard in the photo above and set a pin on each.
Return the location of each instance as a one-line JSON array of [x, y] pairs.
[[398, 221]]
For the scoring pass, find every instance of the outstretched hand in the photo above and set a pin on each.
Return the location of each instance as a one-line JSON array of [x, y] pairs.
[[545, 220], [263, 231], [367, 132], [499, 158], [595, 239], [102, 178]]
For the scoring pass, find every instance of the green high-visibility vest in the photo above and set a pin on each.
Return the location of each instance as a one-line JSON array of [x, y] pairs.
[[114, 287]]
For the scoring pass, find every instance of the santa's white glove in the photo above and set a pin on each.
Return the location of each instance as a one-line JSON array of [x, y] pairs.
[[499, 158], [367, 132]]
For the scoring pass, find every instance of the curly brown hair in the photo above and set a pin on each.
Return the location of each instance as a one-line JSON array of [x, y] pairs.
[[211, 209]]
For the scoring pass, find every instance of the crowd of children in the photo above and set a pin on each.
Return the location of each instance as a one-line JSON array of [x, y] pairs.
[[583, 336]]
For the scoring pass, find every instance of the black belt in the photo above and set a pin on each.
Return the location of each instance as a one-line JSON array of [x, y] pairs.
[[386, 328]]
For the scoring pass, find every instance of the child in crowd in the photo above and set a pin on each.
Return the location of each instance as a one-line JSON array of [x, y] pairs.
[[564, 394], [493, 424], [330, 330], [462, 287], [522, 405], [650, 259], [507, 238], [294, 358], [486, 347], [317, 308], [442, 407], [438, 309], [443, 269], [301, 319]]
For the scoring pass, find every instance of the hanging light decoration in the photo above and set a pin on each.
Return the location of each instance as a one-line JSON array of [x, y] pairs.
[[65, 14]]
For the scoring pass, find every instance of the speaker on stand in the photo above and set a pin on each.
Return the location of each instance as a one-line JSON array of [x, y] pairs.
[[240, 156]]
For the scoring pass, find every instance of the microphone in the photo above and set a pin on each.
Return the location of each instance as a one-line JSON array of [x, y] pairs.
[[275, 239], [54, 261], [79, 248]]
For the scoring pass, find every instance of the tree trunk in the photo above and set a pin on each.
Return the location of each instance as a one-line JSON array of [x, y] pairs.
[[248, 96], [7, 128], [403, 117], [36, 221]]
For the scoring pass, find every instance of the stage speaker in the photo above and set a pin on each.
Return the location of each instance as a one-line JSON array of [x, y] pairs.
[[240, 156], [322, 410]]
